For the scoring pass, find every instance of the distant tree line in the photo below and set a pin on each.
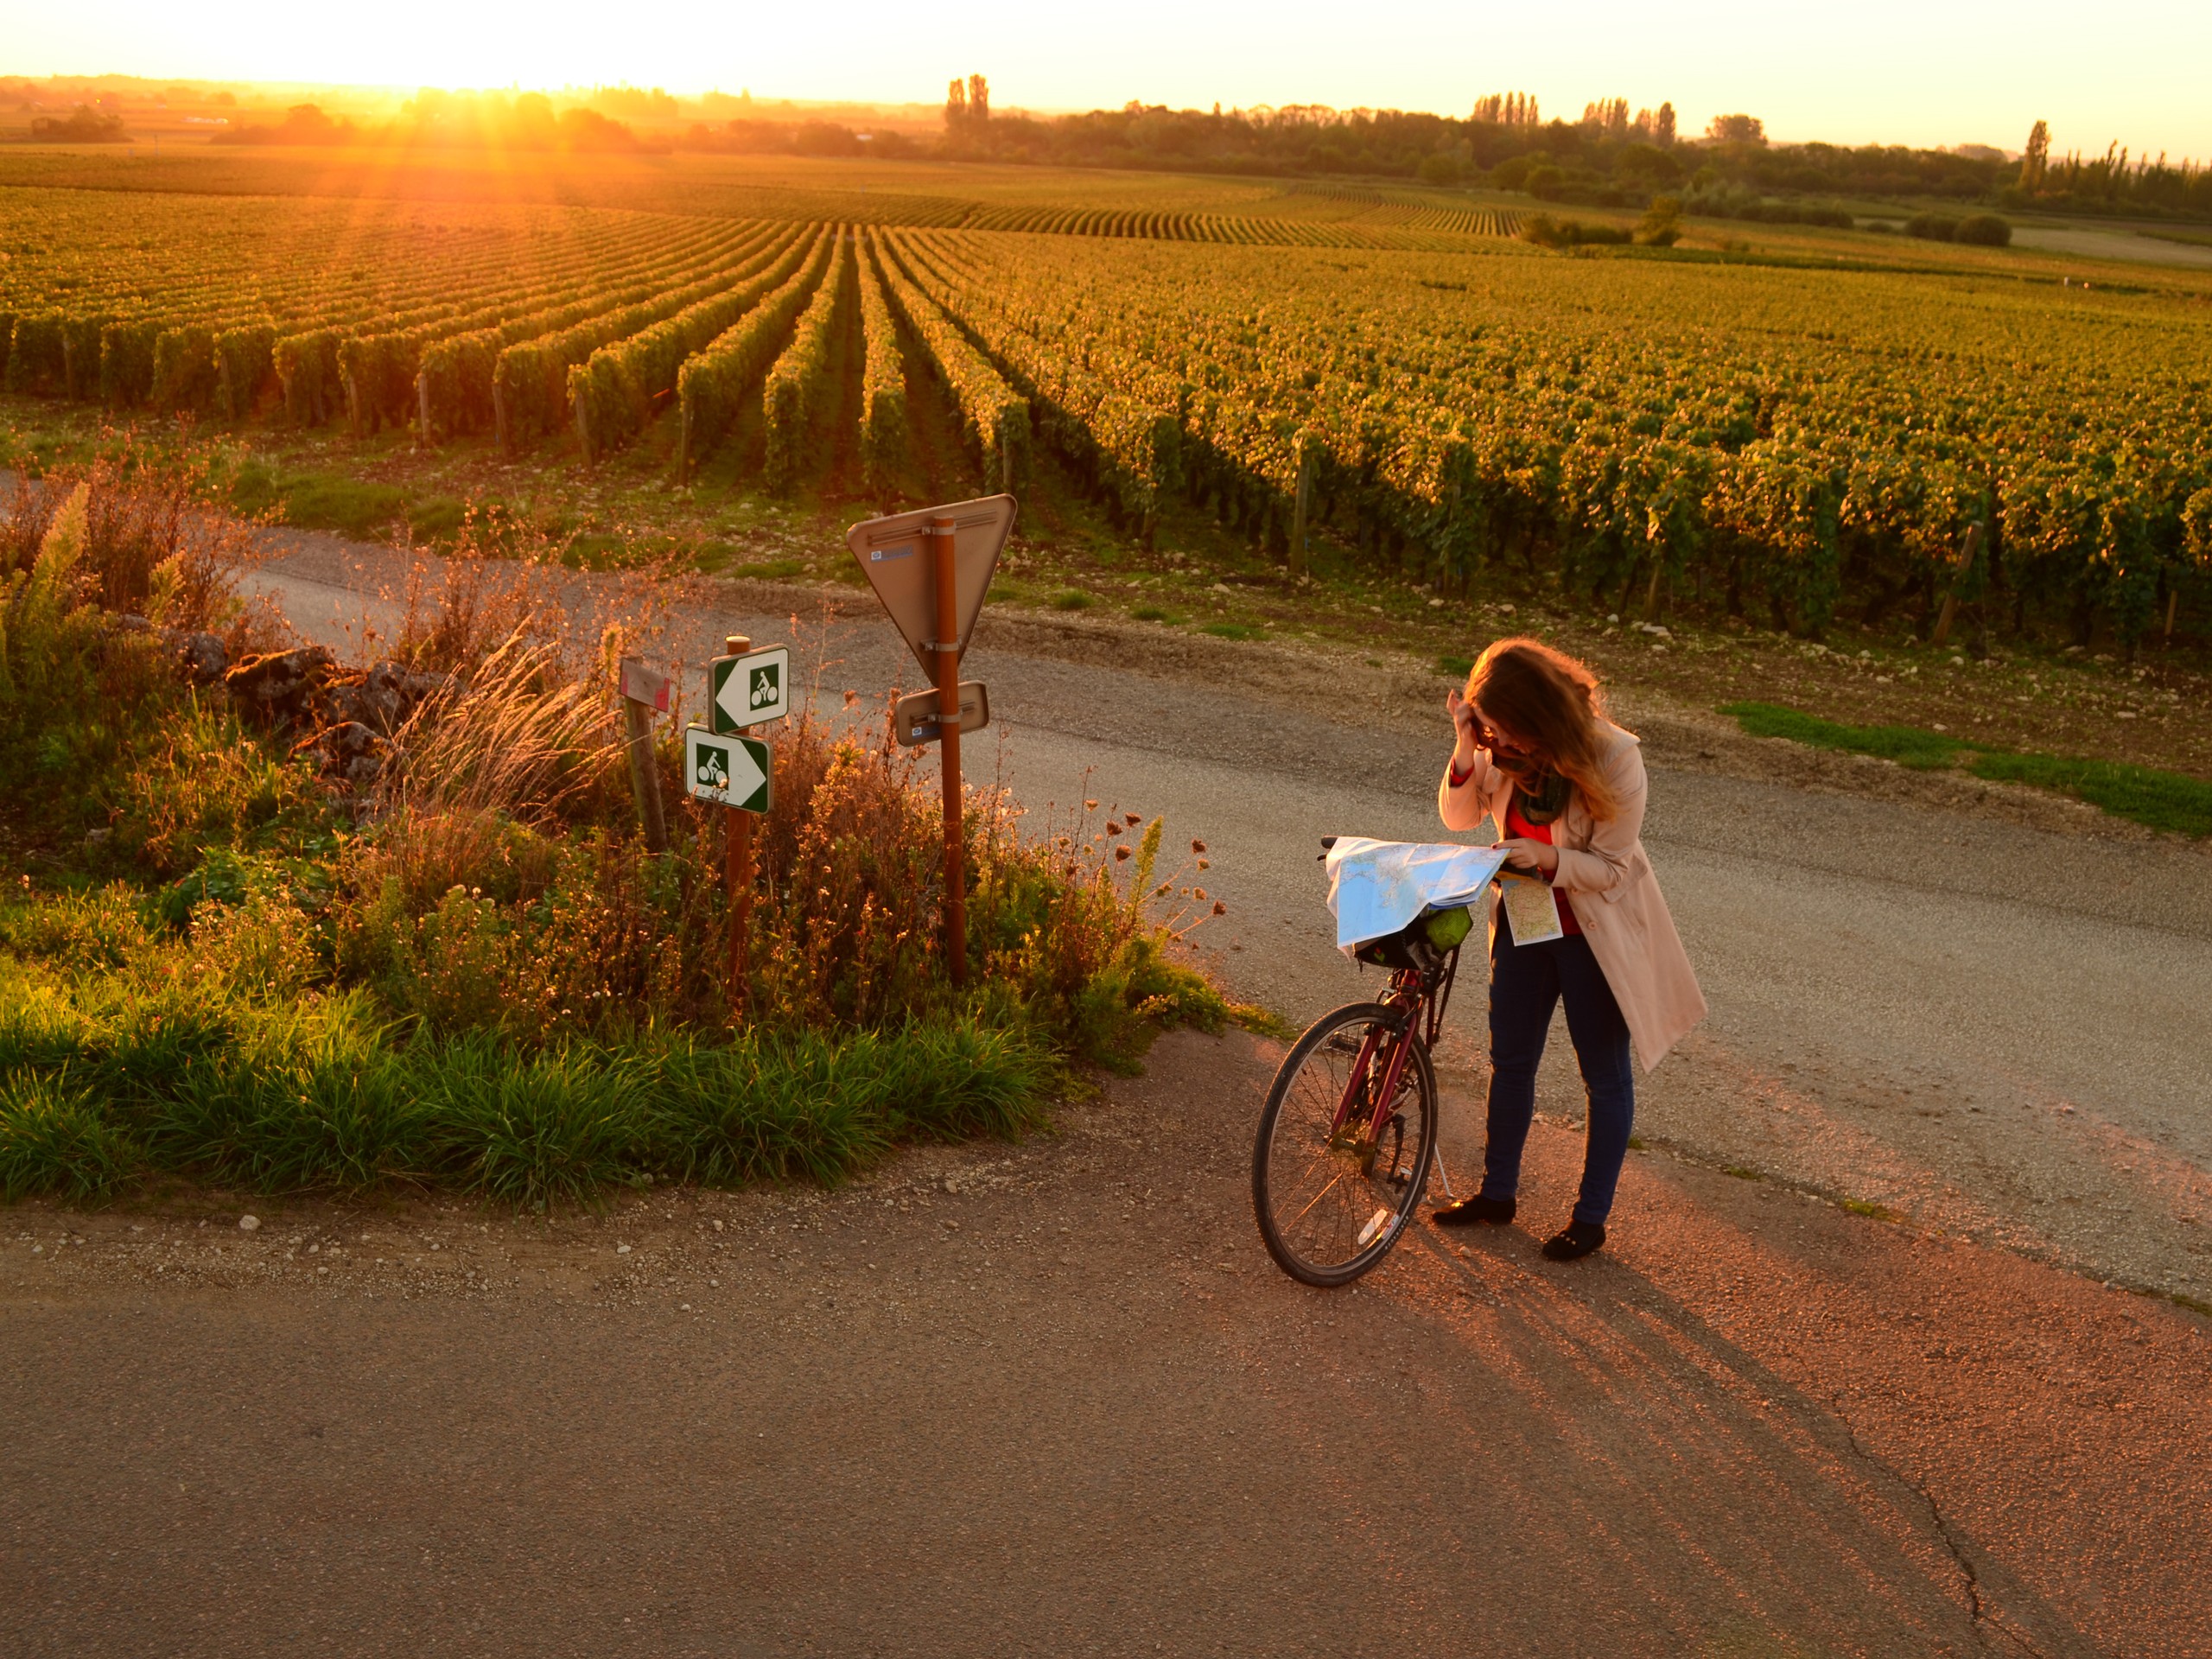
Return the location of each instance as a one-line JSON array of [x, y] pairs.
[[448, 120], [1609, 158]]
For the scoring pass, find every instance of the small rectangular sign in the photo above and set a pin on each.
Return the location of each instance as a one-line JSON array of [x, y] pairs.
[[728, 770], [750, 689], [914, 716], [642, 684]]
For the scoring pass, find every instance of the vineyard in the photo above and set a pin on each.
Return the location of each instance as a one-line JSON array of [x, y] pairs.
[[1376, 368]]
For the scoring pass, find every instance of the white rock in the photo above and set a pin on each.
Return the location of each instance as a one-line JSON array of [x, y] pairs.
[[249, 1224]]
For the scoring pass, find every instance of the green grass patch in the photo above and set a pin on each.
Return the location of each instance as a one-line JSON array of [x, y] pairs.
[[1233, 631], [320, 500], [769, 570], [1070, 599], [1743, 1172], [1458, 667], [1871, 1211], [1154, 613], [102, 1086], [2161, 800]]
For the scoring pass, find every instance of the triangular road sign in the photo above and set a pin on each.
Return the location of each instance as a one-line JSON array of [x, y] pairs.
[[895, 553]]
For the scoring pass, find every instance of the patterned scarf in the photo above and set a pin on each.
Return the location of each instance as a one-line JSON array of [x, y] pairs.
[[1543, 795]]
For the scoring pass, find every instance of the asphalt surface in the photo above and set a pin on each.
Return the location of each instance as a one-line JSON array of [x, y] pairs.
[[1053, 1399]]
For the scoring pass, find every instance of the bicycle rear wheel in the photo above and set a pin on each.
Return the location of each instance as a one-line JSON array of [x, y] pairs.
[[1331, 1200]]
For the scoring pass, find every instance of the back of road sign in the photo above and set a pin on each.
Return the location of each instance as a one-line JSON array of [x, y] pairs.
[[895, 552]]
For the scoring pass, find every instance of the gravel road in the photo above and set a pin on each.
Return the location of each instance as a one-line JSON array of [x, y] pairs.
[[1982, 1008]]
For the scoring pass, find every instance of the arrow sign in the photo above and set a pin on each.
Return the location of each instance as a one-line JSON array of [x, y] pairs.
[[894, 553], [746, 690], [729, 770]]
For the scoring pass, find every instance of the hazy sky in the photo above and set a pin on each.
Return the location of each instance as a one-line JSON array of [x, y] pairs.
[[1921, 72]]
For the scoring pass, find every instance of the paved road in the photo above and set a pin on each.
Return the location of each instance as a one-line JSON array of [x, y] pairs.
[[1992, 1027], [1053, 1399]]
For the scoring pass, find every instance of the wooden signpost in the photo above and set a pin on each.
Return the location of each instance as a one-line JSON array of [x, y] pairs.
[[644, 694], [723, 767], [930, 570]]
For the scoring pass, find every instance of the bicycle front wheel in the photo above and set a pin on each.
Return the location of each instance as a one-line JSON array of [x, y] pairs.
[[1338, 1171]]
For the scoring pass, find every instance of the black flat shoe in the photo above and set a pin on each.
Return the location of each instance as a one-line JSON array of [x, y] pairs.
[[1574, 1242], [1467, 1212]]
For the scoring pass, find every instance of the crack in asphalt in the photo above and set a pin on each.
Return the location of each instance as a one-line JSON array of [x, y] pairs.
[[1987, 1618]]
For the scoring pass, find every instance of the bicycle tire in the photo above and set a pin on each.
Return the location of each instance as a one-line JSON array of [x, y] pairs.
[[1296, 1249]]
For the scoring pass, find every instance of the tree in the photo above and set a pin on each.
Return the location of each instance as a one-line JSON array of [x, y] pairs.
[[956, 105], [2037, 157], [1737, 130], [1663, 129], [979, 99]]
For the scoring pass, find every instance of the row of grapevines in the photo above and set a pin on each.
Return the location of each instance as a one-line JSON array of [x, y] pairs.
[[883, 386], [1808, 439], [615, 392], [530, 379], [792, 395], [994, 416], [455, 386], [713, 387], [381, 367], [1124, 442]]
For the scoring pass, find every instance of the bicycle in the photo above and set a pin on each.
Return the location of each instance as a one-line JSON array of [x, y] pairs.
[[1348, 1135]]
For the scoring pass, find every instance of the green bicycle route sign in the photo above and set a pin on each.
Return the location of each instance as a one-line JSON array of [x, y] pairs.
[[749, 689], [729, 770]]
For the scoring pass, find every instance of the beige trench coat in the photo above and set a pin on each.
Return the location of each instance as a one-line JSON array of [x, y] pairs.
[[1616, 899]]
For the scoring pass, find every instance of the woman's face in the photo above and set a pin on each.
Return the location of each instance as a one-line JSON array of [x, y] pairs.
[[1501, 741]]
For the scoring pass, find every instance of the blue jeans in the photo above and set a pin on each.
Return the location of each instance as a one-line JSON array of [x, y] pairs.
[[1526, 983]]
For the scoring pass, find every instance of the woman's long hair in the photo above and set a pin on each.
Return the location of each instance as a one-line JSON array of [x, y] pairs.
[[1547, 700]]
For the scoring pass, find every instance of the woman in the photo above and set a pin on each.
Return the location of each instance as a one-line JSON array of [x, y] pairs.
[[1566, 786]]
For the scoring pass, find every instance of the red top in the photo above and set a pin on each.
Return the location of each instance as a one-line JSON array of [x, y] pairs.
[[1518, 825]]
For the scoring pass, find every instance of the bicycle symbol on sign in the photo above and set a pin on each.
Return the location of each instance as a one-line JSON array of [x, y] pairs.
[[712, 768]]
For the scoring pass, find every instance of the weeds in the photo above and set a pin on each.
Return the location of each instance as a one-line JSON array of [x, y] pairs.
[[467, 971]]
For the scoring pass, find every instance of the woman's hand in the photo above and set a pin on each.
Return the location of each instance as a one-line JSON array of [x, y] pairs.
[[1463, 729], [1526, 855]]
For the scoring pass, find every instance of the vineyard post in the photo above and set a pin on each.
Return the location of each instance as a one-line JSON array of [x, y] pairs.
[[2173, 604], [740, 874], [498, 419], [422, 406], [1300, 499], [583, 428], [947, 649], [1961, 568]]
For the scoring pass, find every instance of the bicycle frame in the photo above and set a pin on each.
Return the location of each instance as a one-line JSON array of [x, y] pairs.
[[1421, 997]]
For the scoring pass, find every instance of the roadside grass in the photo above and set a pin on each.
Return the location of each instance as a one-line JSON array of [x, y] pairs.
[[105, 1083], [1867, 1208], [1233, 631], [2160, 800], [466, 971], [1072, 598]]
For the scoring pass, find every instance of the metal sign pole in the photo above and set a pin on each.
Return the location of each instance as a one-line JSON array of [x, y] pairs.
[[943, 537]]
